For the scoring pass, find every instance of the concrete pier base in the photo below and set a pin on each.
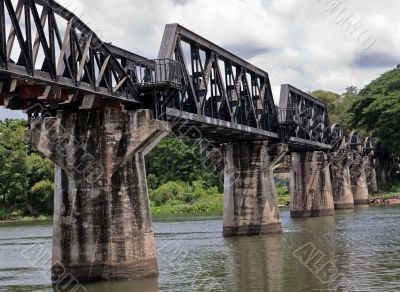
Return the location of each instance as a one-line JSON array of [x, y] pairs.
[[341, 181], [382, 174], [250, 206], [359, 183], [310, 185], [370, 173], [102, 224]]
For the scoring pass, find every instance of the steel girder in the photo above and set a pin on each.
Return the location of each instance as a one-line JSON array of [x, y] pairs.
[[44, 45], [217, 84], [303, 117], [354, 142]]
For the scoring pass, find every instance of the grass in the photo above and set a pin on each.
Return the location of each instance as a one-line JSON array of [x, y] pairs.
[[384, 195], [283, 200], [205, 205], [25, 218]]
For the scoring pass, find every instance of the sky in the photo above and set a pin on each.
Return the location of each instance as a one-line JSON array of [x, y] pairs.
[[310, 44]]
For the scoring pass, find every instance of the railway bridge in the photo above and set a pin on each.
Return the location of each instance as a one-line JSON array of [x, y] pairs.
[[96, 110]]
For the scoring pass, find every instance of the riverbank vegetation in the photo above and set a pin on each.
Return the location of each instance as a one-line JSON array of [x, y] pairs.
[[392, 192], [180, 178], [282, 190]]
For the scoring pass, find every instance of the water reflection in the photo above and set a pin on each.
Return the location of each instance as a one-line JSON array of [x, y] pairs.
[[145, 285], [357, 250], [256, 263]]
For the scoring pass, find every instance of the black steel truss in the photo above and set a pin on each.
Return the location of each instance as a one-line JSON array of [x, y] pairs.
[[305, 115], [217, 84], [354, 142], [45, 44], [368, 147], [337, 138]]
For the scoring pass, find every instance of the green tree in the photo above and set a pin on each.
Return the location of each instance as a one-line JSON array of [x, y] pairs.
[[376, 111], [332, 101], [13, 171], [176, 160], [40, 194], [25, 176], [338, 105]]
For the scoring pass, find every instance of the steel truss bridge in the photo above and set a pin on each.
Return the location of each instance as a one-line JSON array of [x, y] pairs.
[[49, 57]]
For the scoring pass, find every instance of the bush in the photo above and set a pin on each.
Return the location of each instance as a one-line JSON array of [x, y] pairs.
[[40, 199], [152, 181], [395, 188], [3, 214], [188, 196], [282, 190], [170, 191]]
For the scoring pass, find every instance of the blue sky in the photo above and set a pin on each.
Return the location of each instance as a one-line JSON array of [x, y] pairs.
[[307, 43]]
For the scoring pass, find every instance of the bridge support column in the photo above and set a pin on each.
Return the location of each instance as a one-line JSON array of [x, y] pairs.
[[359, 184], [102, 224], [381, 173], [250, 206], [370, 173], [341, 181], [310, 185]]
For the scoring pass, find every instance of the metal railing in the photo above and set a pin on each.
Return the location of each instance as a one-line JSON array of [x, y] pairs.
[[161, 72], [287, 115]]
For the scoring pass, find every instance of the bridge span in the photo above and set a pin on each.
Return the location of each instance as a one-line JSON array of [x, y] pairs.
[[96, 110]]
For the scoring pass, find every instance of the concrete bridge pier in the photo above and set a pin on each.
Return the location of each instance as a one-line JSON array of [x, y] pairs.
[[310, 185], [341, 180], [102, 224], [359, 184], [381, 174], [250, 206], [370, 173]]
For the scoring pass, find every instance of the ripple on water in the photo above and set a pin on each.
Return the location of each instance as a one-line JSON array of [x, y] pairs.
[[362, 245]]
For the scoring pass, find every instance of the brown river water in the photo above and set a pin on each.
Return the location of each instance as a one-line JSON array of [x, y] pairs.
[[357, 250]]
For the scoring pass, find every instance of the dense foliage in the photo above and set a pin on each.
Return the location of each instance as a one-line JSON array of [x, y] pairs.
[[373, 111], [338, 105], [182, 180], [177, 197], [376, 111], [26, 178], [178, 160]]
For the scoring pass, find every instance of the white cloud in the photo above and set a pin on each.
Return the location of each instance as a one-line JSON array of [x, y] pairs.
[[9, 114]]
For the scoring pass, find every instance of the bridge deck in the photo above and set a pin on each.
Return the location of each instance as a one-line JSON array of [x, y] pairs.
[[191, 125]]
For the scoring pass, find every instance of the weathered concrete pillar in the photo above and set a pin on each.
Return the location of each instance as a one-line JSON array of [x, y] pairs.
[[370, 173], [102, 224], [359, 183], [250, 205], [381, 173], [310, 185], [341, 180]]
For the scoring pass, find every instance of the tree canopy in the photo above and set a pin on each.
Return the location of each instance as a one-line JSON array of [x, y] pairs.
[[26, 178], [376, 110], [338, 105], [373, 111]]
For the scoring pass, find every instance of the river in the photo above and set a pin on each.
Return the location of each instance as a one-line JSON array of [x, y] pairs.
[[357, 250]]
